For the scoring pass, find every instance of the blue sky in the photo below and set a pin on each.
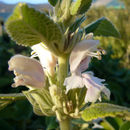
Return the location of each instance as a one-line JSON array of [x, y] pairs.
[[27, 1]]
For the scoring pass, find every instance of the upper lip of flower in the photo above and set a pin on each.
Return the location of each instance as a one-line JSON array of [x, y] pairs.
[[47, 59], [79, 61], [82, 50], [28, 71]]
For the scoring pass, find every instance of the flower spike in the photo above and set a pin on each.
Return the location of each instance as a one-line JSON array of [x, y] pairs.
[[82, 50]]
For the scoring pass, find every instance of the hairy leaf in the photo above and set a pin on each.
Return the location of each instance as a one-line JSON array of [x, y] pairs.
[[29, 27], [102, 27], [80, 6], [101, 110], [75, 95], [125, 126]]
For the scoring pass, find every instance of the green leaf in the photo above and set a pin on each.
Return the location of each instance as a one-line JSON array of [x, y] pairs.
[[53, 2], [102, 27], [125, 126], [77, 95], [107, 125], [101, 110], [76, 24], [6, 99], [110, 123], [29, 27], [80, 6]]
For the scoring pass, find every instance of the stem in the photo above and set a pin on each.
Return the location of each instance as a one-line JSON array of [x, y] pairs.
[[65, 124], [63, 69]]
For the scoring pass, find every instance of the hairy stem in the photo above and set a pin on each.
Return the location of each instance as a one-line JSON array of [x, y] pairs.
[[65, 124], [63, 69]]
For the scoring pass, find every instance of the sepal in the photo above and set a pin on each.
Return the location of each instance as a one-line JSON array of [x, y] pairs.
[[76, 24], [41, 101], [77, 97]]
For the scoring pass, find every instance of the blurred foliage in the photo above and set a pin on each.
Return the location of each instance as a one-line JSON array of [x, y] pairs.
[[120, 18], [116, 76], [114, 67]]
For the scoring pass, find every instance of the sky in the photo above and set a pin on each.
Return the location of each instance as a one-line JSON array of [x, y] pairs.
[[27, 1]]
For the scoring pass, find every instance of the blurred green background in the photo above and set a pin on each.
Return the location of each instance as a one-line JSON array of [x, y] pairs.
[[114, 67]]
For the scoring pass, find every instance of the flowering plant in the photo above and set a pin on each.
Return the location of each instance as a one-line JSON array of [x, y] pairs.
[[59, 83]]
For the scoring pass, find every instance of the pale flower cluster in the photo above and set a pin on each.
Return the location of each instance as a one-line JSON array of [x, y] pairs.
[[32, 73], [80, 58]]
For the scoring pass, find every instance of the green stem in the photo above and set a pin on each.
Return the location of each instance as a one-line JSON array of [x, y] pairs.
[[65, 124], [63, 69]]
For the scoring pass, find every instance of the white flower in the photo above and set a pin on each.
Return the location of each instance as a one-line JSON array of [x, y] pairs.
[[79, 61], [28, 71], [93, 84], [83, 50], [47, 59], [94, 87], [74, 81]]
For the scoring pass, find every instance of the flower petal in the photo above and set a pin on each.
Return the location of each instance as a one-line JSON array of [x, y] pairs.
[[95, 81], [27, 81], [47, 59], [81, 51], [84, 64], [92, 94], [94, 87], [27, 67], [72, 82]]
